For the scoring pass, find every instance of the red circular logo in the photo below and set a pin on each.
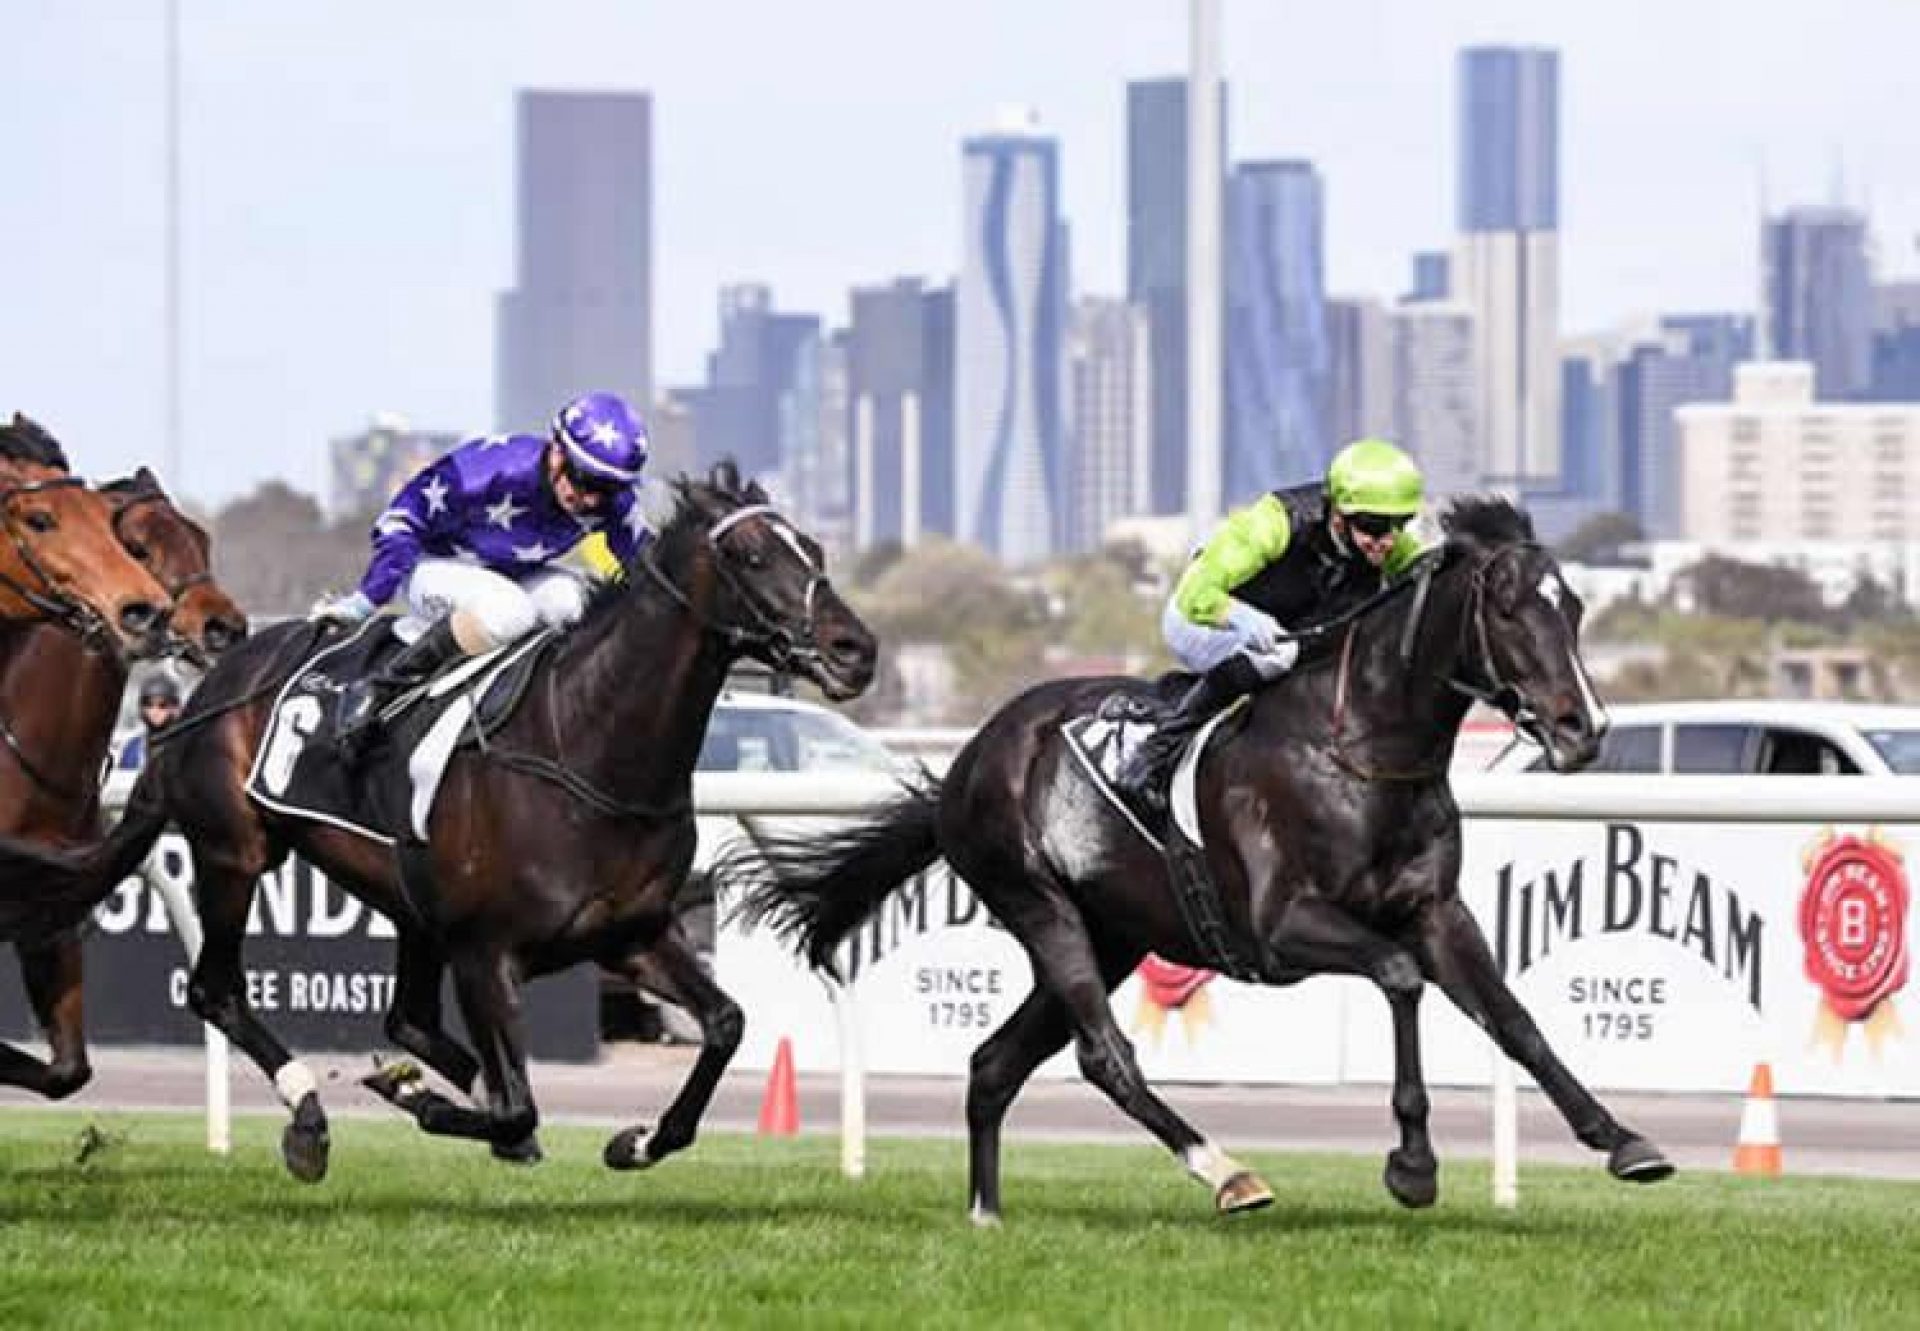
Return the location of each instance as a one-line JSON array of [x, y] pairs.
[[1853, 920], [1170, 985]]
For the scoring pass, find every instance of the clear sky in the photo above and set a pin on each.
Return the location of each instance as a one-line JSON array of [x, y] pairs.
[[348, 170]]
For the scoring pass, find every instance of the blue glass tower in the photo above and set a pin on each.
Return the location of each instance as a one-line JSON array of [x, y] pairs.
[[1279, 358], [1010, 324]]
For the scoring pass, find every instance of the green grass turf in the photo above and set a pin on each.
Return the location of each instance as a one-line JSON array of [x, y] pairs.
[[151, 1231]]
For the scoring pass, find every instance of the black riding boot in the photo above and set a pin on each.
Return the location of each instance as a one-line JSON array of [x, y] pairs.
[[363, 701], [1144, 778]]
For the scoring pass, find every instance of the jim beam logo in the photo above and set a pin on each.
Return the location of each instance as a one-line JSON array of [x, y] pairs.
[[1853, 922], [1170, 989]]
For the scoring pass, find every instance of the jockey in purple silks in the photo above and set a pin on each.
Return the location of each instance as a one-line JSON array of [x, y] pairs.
[[470, 542]]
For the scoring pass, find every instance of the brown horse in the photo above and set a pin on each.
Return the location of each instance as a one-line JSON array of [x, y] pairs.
[[60, 561], [1329, 828], [563, 841], [58, 703]]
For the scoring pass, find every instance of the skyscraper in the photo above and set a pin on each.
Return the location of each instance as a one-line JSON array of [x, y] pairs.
[[1691, 361], [899, 457], [1278, 357], [1436, 405], [1157, 269], [580, 313], [1360, 388], [1819, 297], [1508, 267], [1010, 322], [760, 404], [1109, 453]]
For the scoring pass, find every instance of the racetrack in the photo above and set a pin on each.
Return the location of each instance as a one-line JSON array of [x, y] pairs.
[[1878, 1139], [149, 1229]]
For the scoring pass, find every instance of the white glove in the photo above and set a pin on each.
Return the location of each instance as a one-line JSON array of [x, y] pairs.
[[1276, 660], [1259, 632], [351, 609]]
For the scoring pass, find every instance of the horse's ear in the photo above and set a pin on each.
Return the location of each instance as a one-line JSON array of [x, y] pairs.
[[755, 493], [725, 476], [146, 482]]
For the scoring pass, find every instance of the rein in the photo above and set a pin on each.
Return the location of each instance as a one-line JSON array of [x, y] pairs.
[[768, 634], [1501, 696], [33, 770]]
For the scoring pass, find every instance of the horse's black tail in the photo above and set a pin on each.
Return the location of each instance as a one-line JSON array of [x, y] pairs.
[[38, 882], [815, 889]]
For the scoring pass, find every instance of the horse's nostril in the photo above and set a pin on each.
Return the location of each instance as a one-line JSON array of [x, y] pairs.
[[139, 616], [848, 646]]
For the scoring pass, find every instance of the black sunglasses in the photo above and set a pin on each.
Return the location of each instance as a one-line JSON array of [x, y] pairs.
[[167, 703], [1376, 525]]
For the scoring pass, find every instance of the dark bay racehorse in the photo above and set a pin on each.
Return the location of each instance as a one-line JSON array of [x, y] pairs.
[[564, 842], [1329, 828], [60, 561], [58, 703]]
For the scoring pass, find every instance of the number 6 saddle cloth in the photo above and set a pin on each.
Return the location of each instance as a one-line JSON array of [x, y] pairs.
[[387, 795]]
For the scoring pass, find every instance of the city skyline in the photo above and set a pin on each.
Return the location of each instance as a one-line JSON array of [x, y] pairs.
[[346, 191]]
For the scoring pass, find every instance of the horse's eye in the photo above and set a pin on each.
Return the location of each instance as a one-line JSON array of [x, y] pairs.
[[42, 521], [139, 550]]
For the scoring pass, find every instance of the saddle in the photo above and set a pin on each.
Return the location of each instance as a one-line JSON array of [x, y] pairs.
[[387, 795]]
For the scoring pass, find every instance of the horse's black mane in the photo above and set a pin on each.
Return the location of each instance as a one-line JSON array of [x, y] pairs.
[[25, 440], [1485, 521], [694, 498]]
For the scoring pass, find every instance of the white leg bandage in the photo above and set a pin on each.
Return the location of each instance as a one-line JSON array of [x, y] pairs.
[[294, 1082]]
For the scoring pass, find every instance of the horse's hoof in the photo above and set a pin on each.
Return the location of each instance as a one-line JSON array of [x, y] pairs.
[[1637, 1160], [981, 1218], [1245, 1191], [526, 1151], [626, 1149], [306, 1145], [1414, 1184]]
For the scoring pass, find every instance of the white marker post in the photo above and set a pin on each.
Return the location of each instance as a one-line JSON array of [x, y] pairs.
[[172, 885], [1506, 1133]]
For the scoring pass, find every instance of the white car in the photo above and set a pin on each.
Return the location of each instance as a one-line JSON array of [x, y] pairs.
[[1752, 737], [751, 732]]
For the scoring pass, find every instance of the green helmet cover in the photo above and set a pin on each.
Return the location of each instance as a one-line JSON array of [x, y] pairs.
[[1374, 476]]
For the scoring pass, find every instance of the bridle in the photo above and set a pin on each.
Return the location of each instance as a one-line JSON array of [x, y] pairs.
[[49, 598], [788, 650], [174, 590], [1498, 693]]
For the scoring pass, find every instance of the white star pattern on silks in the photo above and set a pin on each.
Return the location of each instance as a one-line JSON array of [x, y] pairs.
[[503, 513], [635, 522], [496, 441], [435, 492], [531, 554], [606, 432]]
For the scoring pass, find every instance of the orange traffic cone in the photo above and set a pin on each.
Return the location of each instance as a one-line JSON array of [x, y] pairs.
[[1758, 1151], [780, 1107]]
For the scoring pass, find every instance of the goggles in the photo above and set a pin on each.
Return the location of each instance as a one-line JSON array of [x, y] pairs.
[[1376, 525]]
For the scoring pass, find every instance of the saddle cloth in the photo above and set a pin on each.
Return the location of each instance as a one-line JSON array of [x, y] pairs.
[[1106, 737], [388, 796]]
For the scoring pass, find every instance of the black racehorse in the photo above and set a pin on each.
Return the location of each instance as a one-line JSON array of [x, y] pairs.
[[1329, 829], [563, 842]]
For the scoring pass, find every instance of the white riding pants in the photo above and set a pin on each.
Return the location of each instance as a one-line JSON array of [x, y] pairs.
[[1199, 647], [504, 609]]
